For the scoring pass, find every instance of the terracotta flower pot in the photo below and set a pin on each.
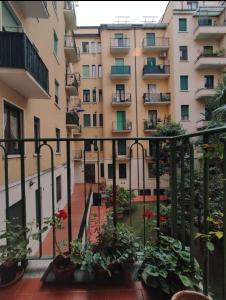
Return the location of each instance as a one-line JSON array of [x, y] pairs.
[[189, 295]]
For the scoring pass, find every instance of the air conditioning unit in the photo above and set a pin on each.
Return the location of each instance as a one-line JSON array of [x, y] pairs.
[[162, 54]]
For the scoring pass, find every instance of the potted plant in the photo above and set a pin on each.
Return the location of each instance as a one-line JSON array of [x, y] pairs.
[[13, 251], [62, 265], [166, 267]]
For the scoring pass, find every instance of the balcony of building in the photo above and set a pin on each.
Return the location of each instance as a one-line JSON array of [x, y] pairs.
[[33, 9], [121, 99], [69, 15], [212, 61], [71, 84], [155, 45], [120, 45], [21, 67], [120, 72], [205, 93], [122, 127], [168, 227], [72, 52], [156, 71], [150, 126], [156, 98], [72, 120]]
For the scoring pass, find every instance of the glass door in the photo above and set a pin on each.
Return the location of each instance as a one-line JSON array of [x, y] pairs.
[[152, 117], [120, 92]]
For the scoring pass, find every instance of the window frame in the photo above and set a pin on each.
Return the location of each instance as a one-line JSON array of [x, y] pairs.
[[84, 117], [58, 145], [83, 73], [122, 173], [55, 42], [86, 96], [37, 133], [183, 116], [57, 89], [183, 58], [58, 188], [87, 47], [110, 171], [181, 83], [181, 28]]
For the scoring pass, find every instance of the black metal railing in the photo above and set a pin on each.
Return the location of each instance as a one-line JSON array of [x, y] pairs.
[[18, 52], [156, 97], [184, 189], [69, 41], [119, 43], [156, 42], [157, 69], [120, 98], [71, 81], [121, 126], [120, 70], [150, 125], [72, 118]]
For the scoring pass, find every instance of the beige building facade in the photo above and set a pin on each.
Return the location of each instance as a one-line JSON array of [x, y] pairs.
[[36, 85]]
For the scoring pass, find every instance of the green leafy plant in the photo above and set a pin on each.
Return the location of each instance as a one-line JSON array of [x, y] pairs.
[[166, 267], [122, 197]]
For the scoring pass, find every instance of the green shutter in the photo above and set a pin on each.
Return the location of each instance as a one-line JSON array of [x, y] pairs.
[[86, 120], [119, 61], [55, 43], [182, 24], [184, 112], [110, 171], [85, 71], [183, 83], [121, 120]]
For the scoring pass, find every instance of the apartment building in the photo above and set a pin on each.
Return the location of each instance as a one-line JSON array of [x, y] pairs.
[[197, 34], [124, 93], [37, 49]]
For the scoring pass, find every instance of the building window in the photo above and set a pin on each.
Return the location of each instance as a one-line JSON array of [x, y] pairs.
[[86, 120], [184, 83], [101, 145], [58, 189], [94, 71], [56, 92], [94, 120], [192, 5], [183, 53], [182, 24], [122, 171], [36, 133], [10, 22], [94, 96], [87, 145], [100, 96], [101, 169], [99, 47], [38, 207], [13, 127], [184, 112], [85, 71], [119, 61], [122, 147], [58, 142], [99, 71], [208, 50], [110, 171], [209, 81], [101, 121], [151, 170], [93, 47], [150, 38], [85, 47], [95, 146], [86, 95], [55, 43], [205, 21]]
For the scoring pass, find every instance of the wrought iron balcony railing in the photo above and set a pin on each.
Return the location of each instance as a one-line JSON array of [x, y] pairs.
[[157, 69], [156, 97], [122, 126], [120, 70], [156, 42], [150, 125], [121, 98], [120, 43], [72, 118]]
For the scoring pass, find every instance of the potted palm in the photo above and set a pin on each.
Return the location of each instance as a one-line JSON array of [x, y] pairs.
[[13, 251]]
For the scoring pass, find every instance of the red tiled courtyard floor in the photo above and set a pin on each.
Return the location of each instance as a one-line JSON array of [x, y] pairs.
[[33, 289]]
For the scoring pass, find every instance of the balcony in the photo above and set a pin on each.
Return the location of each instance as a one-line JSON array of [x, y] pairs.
[[69, 15], [156, 45], [77, 131], [71, 84], [71, 51], [125, 127], [72, 119], [21, 67], [120, 72], [205, 93], [156, 98], [120, 45], [156, 72], [33, 9], [209, 32], [150, 126], [178, 222], [121, 99], [214, 61]]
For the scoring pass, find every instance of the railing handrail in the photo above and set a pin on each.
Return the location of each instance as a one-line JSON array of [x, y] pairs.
[[156, 97], [123, 42], [122, 96], [158, 41], [156, 69], [204, 89], [124, 69]]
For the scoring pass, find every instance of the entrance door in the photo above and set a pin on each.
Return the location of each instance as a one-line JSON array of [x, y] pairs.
[[150, 39], [15, 214], [152, 117], [90, 173], [121, 120], [120, 92]]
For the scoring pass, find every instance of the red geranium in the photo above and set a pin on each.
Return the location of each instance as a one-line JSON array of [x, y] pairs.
[[148, 214], [62, 214], [163, 219]]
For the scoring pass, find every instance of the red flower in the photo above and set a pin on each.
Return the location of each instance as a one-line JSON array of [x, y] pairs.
[[148, 214], [163, 219], [62, 214]]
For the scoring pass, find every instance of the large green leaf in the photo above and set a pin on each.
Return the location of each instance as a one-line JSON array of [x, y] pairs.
[[185, 280], [210, 246]]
